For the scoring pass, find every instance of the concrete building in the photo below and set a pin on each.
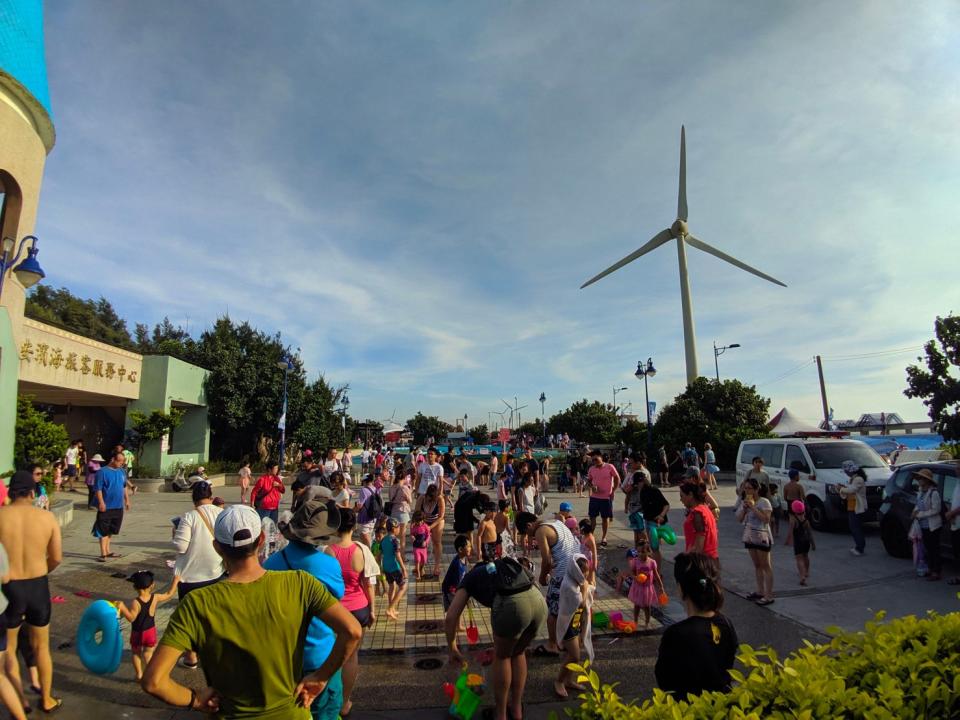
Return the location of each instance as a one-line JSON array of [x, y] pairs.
[[87, 385]]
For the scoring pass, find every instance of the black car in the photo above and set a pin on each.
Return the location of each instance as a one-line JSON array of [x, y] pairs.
[[900, 498]]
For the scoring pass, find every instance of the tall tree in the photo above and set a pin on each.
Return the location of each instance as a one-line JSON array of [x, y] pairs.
[[938, 385], [585, 421], [480, 434], [722, 414], [166, 339], [95, 319], [424, 427], [320, 426]]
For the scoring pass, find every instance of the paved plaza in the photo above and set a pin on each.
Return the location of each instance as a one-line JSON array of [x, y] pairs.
[[843, 590]]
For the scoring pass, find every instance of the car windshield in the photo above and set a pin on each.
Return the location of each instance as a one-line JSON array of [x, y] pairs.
[[827, 456]]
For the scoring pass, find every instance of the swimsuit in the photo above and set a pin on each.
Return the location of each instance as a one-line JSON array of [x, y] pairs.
[[28, 600], [143, 629]]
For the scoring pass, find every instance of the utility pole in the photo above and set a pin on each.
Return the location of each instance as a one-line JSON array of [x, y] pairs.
[[823, 395]]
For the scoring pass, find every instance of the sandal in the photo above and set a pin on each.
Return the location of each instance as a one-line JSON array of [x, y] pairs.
[[102, 558], [55, 708], [541, 651], [754, 596], [765, 601]]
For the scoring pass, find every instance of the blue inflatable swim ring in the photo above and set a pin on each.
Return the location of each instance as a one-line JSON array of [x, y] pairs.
[[101, 657]]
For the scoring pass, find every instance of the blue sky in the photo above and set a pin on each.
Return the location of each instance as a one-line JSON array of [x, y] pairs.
[[412, 193]]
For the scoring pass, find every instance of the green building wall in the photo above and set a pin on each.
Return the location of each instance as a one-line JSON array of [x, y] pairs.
[[168, 382], [9, 370]]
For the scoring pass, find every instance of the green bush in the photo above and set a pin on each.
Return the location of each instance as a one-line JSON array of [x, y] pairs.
[[905, 668], [37, 439]]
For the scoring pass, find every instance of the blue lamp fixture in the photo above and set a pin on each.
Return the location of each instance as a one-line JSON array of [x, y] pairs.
[[647, 371], [28, 272]]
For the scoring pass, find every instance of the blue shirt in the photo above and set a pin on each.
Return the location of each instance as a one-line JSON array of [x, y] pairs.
[[388, 552], [326, 569], [111, 481]]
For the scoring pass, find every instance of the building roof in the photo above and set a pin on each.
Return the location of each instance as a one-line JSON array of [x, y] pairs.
[[23, 66]]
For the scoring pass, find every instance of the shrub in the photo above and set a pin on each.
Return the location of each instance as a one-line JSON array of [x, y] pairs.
[[37, 439], [905, 668]]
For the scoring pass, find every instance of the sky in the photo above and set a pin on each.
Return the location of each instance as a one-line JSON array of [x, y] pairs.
[[412, 193]]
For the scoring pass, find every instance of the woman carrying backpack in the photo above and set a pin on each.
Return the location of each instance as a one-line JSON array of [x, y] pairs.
[[369, 508], [517, 609]]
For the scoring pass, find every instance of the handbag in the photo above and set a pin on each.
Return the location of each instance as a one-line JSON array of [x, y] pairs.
[[388, 506], [757, 536]]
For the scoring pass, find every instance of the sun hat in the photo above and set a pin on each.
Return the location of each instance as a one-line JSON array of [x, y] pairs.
[[97, 458], [566, 507], [237, 526], [312, 522], [926, 474], [798, 507], [849, 467]]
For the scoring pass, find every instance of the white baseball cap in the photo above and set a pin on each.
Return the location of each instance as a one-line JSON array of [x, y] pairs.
[[237, 526]]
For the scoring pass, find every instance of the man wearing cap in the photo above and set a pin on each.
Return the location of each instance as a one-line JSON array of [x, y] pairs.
[[249, 631], [31, 538], [307, 531], [110, 490]]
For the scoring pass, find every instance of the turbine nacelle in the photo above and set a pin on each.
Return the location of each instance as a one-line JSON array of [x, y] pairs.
[[679, 229]]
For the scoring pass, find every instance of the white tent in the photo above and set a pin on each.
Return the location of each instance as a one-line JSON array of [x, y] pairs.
[[785, 423]]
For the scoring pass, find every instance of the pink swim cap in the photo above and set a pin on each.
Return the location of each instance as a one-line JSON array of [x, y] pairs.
[[798, 507]]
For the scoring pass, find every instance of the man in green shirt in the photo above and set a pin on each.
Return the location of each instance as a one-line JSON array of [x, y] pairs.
[[248, 631]]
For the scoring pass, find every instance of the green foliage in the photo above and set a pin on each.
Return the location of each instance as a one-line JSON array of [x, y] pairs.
[[154, 426], [939, 384], [320, 426], [166, 339], [95, 319], [424, 426], [591, 422], [905, 668], [480, 434], [722, 414], [633, 434], [36, 438]]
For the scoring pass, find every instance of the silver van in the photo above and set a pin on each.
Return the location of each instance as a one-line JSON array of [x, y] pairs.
[[819, 462]]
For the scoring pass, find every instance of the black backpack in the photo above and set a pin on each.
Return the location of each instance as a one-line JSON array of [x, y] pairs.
[[372, 508], [511, 577]]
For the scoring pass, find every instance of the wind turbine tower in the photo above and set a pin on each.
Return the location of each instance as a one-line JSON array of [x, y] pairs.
[[680, 232]]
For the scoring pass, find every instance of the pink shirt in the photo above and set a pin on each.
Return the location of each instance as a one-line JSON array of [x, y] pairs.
[[602, 479]]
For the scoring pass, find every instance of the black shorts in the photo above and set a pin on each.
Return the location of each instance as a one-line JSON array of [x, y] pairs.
[[396, 577], [108, 523], [184, 589], [600, 506], [757, 546], [28, 600], [70, 471], [362, 615], [801, 548]]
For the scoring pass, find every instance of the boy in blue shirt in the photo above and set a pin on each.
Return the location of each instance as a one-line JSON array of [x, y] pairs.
[[393, 567]]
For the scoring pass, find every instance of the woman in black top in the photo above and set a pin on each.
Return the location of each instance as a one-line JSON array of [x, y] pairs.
[[696, 654]]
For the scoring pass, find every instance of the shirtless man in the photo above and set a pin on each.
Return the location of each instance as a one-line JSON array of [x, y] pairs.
[[487, 533], [32, 540]]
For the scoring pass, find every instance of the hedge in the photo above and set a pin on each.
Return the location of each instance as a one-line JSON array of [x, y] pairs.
[[905, 668]]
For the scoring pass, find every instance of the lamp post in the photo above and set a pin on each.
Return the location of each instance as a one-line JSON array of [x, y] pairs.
[[646, 371], [717, 352], [285, 364], [543, 417], [28, 272], [344, 405], [615, 391]]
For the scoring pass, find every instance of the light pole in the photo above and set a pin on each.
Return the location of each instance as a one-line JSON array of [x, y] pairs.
[[615, 391], [647, 371], [344, 405], [285, 364], [543, 417], [717, 352], [28, 272]]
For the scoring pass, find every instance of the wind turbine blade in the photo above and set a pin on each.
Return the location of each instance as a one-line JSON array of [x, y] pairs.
[[658, 240], [509, 406], [700, 245], [682, 197]]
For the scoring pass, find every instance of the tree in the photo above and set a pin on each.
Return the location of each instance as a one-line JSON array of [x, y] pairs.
[[320, 427], [93, 319], [147, 428], [722, 414], [166, 339], [480, 434], [424, 427], [36, 438], [938, 384], [633, 434], [591, 422]]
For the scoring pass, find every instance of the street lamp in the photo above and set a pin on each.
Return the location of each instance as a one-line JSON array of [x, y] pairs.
[[285, 364], [344, 405], [717, 352], [615, 391], [647, 371], [543, 418], [28, 272]]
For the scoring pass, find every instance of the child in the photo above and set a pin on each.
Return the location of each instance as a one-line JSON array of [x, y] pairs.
[[588, 546], [377, 549], [393, 566], [800, 535], [576, 596], [777, 502], [487, 533], [57, 475], [456, 571], [420, 534], [633, 507], [141, 616], [502, 522], [565, 515], [643, 591]]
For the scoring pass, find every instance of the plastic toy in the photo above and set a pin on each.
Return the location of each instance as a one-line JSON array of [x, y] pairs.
[[616, 617], [473, 632], [101, 657], [465, 695], [642, 578], [625, 626], [667, 535], [600, 620], [664, 600]]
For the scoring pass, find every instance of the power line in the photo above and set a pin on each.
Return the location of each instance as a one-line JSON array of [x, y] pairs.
[[787, 374], [876, 354]]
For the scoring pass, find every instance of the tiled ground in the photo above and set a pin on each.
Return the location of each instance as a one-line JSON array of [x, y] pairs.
[[410, 631]]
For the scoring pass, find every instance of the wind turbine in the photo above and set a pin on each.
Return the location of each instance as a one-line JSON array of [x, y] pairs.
[[680, 232]]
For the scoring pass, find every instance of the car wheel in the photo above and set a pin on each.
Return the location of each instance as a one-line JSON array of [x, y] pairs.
[[894, 539], [817, 514]]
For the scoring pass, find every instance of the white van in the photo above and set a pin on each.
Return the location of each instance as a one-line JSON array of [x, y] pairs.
[[819, 461]]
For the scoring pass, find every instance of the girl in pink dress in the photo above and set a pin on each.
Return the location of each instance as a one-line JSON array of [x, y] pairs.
[[420, 535], [643, 591]]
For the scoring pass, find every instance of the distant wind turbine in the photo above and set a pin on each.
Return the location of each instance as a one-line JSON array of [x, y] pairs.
[[681, 233]]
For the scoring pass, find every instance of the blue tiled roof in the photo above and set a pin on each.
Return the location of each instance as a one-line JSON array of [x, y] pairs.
[[21, 46]]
